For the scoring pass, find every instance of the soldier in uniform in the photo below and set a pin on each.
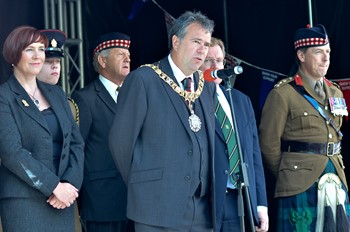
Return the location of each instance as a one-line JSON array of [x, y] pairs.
[[50, 73], [300, 139]]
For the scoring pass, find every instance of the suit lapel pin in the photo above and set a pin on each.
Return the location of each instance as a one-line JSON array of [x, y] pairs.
[[25, 103]]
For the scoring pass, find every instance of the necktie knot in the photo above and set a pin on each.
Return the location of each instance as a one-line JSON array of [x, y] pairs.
[[187, 82], [319, 90]]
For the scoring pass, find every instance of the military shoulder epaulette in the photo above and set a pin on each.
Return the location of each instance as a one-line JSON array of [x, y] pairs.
[[75, 110], [331, 83], [284, 81], [335, 84]]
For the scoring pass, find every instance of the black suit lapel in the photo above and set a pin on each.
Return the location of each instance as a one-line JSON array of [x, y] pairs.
[[26, 103], [207, 101], [178, 102], [104, 95]]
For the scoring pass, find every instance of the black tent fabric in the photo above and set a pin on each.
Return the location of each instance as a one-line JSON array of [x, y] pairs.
[[260, 32]]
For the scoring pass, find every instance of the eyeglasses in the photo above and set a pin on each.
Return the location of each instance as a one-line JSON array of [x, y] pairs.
[[210, 61]]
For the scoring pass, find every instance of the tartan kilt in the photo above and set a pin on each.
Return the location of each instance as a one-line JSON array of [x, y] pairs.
[[298, 213]]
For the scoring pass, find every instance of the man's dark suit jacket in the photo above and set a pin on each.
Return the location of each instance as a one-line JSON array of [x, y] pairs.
[[247, 130], [103, 194], [152, 143], [26, 147]]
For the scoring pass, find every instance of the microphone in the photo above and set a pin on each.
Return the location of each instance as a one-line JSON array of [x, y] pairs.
[[212, 74]]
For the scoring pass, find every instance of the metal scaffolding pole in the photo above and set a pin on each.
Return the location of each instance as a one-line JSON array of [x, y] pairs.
[[224, 14], [66, 15], [310, 13]]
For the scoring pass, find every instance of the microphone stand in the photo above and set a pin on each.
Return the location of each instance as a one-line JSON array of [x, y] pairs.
[[243, 182]]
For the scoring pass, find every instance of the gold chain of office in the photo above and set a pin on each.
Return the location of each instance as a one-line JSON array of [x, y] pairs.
[[193, 120], [189, 97]]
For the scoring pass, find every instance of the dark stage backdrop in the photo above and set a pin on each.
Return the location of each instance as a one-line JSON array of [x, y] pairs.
[[259, 32]]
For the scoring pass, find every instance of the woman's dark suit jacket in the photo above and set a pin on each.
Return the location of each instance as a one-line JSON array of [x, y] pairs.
[[26, 147]]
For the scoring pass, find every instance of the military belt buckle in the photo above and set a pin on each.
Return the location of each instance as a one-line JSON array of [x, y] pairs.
[[330, 149]]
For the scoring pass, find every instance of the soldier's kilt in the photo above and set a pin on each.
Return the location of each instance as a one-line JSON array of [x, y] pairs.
[[299, 213]]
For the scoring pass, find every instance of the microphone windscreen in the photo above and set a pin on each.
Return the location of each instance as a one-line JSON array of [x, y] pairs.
[[208, 75], [238, 69]]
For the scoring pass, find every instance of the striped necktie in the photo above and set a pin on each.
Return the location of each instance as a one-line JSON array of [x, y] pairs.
[[231, 141]]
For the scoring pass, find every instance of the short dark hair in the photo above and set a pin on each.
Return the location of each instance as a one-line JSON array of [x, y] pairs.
[[216, 41], [20, 38], [303, 50]]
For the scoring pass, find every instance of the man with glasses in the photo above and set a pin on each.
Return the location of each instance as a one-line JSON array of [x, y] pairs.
[[211, 62], [227, 218]]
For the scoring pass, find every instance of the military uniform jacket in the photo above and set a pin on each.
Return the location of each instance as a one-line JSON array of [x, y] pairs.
[[288, 116]]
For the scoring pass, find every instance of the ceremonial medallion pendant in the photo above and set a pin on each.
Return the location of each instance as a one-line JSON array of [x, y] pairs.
[[189, 97], [195, 122]]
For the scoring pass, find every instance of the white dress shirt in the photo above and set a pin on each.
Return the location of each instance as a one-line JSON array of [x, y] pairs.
[[179, 75], [110, 86]]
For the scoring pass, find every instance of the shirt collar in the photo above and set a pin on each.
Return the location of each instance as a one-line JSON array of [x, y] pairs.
[[309, 80], [109, 85], [179, 75]]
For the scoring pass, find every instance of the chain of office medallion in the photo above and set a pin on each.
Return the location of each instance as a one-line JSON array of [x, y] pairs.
[[189, 97]]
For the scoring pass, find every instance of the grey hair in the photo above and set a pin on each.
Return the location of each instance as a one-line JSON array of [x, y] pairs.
[[104, 53], [179, 28]]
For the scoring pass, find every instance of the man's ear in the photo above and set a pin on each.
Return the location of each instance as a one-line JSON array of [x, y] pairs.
[[301, 56], [175, 41], [102, 61]]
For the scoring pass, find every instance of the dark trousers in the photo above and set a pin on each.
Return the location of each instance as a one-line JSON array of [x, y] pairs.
[[122, 226], [228, 220], [197, 218]]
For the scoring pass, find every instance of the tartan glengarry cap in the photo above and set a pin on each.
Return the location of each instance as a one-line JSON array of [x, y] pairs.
[[56, 40], [310, 37], [111, 40]]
